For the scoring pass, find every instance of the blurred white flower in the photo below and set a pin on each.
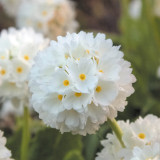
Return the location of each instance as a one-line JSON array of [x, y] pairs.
[[158, 72], [10, 6], [135, 8], [17, 50], [51, 17], [5, 154], [149, 152], [157, 7], [141, 139], [79, 82]]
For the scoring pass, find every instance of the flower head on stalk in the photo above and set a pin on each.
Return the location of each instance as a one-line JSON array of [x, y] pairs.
[[51, 17], [79, 82], [17, 50], [141, 140]]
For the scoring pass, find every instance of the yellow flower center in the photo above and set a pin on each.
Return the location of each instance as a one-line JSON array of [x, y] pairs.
[[98, 89], [3, 72], [60, 97], [2, 57], [142, 136], [77, 94], [101, 71], [82, 77], [66, 56], [66, 82], [19, 69], [87, 51], [97, 60], [96, 52], [44, 13], [40, 25], [26, 57]]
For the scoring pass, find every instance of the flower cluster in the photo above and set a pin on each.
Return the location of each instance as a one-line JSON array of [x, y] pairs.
[[141, 139], [17, 50], [50, 17], [79, 81], [5, 154]]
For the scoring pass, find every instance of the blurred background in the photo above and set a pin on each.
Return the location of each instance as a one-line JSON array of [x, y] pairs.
[[133, 24]]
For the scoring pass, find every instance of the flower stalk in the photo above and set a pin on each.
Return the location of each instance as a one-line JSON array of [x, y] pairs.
[[117, 130], [25, 135]]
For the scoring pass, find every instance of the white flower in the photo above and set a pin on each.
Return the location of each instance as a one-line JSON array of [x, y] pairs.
[[135, 8], [51, 17], [150, 152], [79, 82], [18, 48], [141, 140], [5, 154], [10, 6]]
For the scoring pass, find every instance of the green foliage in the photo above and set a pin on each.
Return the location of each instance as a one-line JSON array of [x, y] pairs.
[[14, 144], [73, 155], [48, 144]]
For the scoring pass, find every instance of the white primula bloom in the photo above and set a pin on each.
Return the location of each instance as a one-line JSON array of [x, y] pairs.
[[141, 140], [89, 77], [5, 154], [10, 6], [150, 152], [18, 48], [51, 17], [135, 8]]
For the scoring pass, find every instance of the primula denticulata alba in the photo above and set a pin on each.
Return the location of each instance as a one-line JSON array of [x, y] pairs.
[[141, 140], [17, 50], [80, 81]]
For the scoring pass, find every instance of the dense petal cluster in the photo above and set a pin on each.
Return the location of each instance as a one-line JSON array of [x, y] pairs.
[[17, 50], [141, 139], [10, 6], [79, 81], [5, 154], [51, 17]]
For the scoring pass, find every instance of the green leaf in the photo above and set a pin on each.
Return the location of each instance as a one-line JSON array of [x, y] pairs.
[[74, 155], [49, 144]]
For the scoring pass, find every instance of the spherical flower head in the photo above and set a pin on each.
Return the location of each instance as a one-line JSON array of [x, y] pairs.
[[5, 154], [51, 17], [79, 82], [10, 6], [141, 140], [17, 50]]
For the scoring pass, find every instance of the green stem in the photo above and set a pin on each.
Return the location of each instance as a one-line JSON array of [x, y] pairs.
[[117, 130], [25, 135]]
